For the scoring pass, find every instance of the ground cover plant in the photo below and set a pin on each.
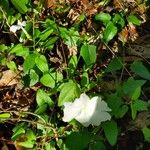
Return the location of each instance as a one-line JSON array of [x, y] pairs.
[[74, 75]]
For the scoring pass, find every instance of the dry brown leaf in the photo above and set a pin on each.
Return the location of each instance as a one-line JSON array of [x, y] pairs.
[[133, 32], [72, 50], [8, 78], [123, 35]]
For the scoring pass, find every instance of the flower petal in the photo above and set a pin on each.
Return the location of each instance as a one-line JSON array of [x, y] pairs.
[[21, 24], [100, 114], [87, 111], [71, 110], [14, 28]]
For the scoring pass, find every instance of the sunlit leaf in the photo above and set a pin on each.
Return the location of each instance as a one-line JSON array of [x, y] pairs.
[[51, 79], [45, 34], [88, 52], [133, 19], [34, 78], [4, 116], [29, 63], [104, 17], [30, 141], [119, 21], [20, 5], [43, 98], [41, 109], [19, 50], [41, 63], [18, 133], [109, 32], [69, 92]]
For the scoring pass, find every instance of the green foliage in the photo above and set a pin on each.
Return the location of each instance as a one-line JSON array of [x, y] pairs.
[[115, 64], [109, 32], [111, 131], [51, 79], [43, 98], [72, 88], [146, 132], [88, 52], [104, 17], [42, 63], [138, 106], [133, 88], [19, 50], [82, 138], [4, 116], [119, 109], [133, 19], [96, 146], [138, 68], [21, 5], [59, 57]]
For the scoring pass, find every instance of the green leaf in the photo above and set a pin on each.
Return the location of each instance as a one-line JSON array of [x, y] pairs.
[[97, 146], [119, 20], [3, 47], [104, 17], [82, 139], [43, 98], [73, 62], [69, 92], [29, 63], [72, 65], [18, 133], [88, 52], [19, 50], [146, 133], [138, 68], [85, 79], [133, 88], [133, 19], [5, 5], [34, 78], [4, 116], [31, 138], [50, 42], [51, 79], [50, 145], [109, 32], [11, 65], [41, 109], [115, 64], [115, 103], [45, 34], [111, 131], [41, 63], [140, 105], [133, 111], [70, 37], [20, 5]]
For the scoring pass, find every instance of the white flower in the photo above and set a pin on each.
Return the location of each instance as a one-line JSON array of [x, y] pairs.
[[19, 26], [87, 111]]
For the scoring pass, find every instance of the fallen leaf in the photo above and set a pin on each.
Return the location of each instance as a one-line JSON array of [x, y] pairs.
[[8, 78]]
